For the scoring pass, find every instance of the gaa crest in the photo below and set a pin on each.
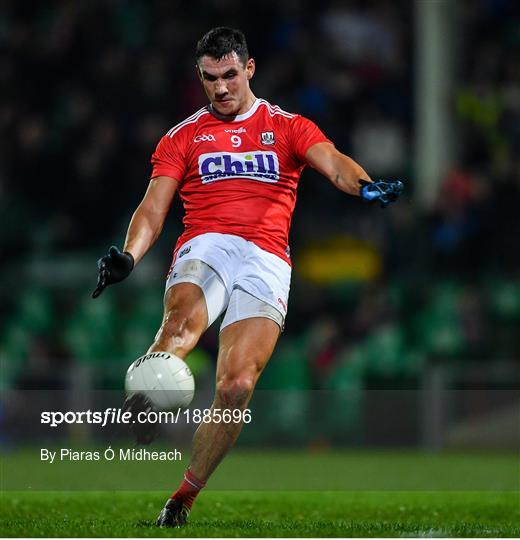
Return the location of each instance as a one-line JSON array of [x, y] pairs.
[[267, 138]]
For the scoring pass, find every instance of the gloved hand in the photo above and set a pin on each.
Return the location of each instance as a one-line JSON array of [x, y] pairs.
[[384, 191], [113, 267]]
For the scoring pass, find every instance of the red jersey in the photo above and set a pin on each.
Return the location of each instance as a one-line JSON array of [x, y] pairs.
[[238, 176]]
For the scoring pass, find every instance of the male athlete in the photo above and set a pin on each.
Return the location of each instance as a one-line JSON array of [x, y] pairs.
[[236, 165]]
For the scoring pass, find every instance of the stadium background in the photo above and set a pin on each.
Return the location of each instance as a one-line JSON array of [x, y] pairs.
[[403, 324]]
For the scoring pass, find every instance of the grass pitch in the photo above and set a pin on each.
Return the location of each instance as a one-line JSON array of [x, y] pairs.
[[335, 494], [261, 514]]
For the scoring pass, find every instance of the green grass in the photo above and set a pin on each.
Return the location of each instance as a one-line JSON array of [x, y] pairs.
[[274, 470], [269, 493], [261, 514]]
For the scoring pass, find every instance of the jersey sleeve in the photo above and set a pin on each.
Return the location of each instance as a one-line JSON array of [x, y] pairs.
[[169, 157], [303, 134]]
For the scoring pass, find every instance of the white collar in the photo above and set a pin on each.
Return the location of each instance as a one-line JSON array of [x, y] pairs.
[[238, 117]]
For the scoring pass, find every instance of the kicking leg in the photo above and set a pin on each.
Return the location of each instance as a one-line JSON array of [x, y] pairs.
[[185, 319]]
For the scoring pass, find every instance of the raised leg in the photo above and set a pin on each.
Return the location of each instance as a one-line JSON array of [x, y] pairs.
[[185, 319]]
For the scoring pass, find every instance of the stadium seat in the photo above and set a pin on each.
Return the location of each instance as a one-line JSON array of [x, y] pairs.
[[13, 353], [91, 332], [340, 407], [34, 310], [438, 327], [288, 369], [147, 307], [285, 384], [33, 315], [136, 338], [504, 299], [141, 321], [386, 351]]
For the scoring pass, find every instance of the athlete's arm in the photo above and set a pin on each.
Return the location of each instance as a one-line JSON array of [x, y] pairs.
[[341, 170], [144, 229], [148, 219], [350, 177]]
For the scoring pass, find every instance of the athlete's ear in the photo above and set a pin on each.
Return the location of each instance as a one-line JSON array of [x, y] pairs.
[[250, 68]]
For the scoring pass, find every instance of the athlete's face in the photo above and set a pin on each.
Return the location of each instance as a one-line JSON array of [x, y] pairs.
[[226, 83]]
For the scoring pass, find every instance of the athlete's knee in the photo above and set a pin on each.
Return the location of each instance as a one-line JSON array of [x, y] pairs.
[[235, 391]]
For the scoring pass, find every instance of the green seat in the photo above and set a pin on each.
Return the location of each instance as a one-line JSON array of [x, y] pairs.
[[440, 335], [283, 398], [35, 311], [504, 299], [288, 369], [15, 342], [386, 351], [33, 315], [354, 360], [142, 321], [147, 308], [438, 328], [92, 331], [338, 417], [14, 353], [135, 339], [397, 296], [414, 360]]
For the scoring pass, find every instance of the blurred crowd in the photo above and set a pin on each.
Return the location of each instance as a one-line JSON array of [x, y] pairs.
[[93, 86], [90, 87]]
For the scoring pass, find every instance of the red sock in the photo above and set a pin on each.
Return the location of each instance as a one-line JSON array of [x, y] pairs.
[[189, 489]]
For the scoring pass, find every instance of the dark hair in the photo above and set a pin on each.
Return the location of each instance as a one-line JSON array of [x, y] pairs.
[[220, 42]]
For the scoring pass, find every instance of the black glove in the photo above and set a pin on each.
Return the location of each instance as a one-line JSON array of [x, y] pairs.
[[384, 191], [113, 267]]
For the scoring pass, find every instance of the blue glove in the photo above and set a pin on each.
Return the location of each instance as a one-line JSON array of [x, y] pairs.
[[384, 191]]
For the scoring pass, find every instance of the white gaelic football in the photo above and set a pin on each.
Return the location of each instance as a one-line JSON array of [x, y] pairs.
[[162, 377]]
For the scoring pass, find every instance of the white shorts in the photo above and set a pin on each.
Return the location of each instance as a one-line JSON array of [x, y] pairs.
[[235, 275]]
